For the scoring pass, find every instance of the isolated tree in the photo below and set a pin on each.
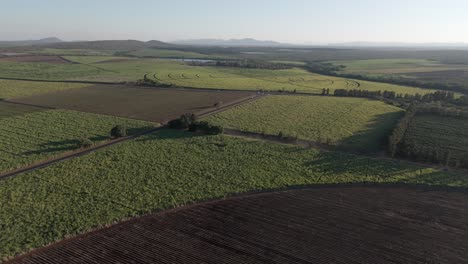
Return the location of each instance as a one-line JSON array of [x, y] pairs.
[[118, 131], [85, 142]]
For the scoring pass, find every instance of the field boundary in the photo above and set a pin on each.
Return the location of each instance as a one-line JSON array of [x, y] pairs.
[[329, 148], [82, 152], [240, 196]]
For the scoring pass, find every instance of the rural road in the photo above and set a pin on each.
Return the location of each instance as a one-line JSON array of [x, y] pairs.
[[82, 152]]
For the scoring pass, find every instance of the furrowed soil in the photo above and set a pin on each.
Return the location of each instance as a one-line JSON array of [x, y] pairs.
[[150, 104], [340, 224]]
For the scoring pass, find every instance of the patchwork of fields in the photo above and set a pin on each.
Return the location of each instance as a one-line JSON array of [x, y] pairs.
[[151, 104], [349, 123], [29, 134], [421, 70], [92, 68], [168, 169]]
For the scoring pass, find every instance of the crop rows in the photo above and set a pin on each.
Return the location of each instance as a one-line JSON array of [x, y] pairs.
[[287, 225], [358, 124], [167, 169], [29, 137], [433, 132]]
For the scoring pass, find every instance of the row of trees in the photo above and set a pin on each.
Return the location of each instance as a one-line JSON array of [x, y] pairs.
[[434, 154], [399, 146], [396, 139], [334, 70], [243, 63], [444, 96]]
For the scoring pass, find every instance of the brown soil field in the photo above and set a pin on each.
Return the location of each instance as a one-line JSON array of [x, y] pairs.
[[38, 59], [329, 224], [150, 104]]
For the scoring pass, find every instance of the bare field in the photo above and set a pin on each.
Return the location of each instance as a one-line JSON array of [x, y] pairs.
[[343, 224], [150, 104]]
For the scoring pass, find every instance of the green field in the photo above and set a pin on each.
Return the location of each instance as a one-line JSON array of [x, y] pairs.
[[422, 71], [428, 132], [75, 52], [168, 169], [28, 135], [389, 65], [350, 123], [14, 89], [181, 74]]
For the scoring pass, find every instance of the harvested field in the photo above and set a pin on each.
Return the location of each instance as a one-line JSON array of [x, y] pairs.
[[151, 104], [341, 224], [36, 58]]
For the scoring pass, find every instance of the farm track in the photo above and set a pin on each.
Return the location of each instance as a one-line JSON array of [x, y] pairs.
[[325, 147], [82, 152], [360, 223]]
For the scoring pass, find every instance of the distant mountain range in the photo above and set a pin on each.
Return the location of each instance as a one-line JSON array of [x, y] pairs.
[[247, 42], [111, 45], [399, 44], [30, 42], [97, 45], [53, 42]]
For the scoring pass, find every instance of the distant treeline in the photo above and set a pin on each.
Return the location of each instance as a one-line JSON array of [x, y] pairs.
[[334, 70], [399, 146], [437, 96], [244, 63]]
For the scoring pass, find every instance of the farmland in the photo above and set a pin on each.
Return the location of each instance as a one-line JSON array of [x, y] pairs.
[[151, 104], [349, 123], [288, 225], [166, 53], [423, 71], [180, 74], [29, 134], [13, 89], [428, 133], [170, 168]]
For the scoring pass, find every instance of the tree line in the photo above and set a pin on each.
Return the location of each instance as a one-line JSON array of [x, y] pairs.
[[243, 63], [332, 70], [399, 146], [442, 96]]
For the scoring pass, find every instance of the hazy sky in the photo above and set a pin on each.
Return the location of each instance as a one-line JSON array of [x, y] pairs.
[[293, 21]]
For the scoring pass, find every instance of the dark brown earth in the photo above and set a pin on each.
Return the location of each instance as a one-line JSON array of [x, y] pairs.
[[354, 224], [150, 104], [36, 58]]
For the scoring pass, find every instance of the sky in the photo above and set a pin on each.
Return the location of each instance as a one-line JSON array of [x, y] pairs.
[[287, 21]]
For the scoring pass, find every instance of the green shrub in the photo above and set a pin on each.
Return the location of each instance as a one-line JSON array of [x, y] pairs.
[[119, 131], [85, 142], [183, 122]]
